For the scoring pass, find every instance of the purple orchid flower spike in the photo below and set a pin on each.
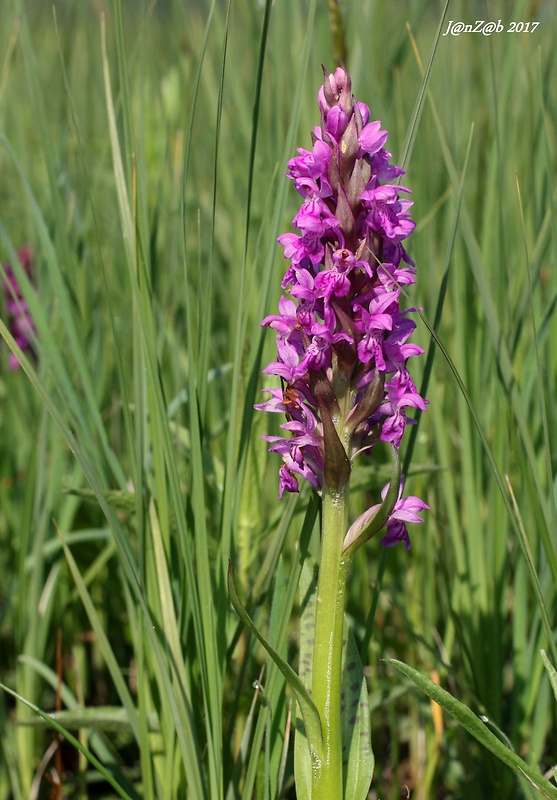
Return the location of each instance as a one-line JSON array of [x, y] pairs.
[[20, 322], [342, 339]]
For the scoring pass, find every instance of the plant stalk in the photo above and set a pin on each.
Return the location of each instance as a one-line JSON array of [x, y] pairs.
[[327, 782]]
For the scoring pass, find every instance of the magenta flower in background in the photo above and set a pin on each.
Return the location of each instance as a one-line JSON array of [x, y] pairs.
[[20, 321], [342, 338]]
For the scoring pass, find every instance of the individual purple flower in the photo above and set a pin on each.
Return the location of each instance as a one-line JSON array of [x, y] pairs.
[[401, 393], [372, 138], [319, 350], [288, 364], [342, 338], [307, 168], [387, 213], [405, 510], [20, 322], [336, 280]]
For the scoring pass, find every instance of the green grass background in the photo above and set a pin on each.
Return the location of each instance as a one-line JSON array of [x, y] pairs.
[[142, 153]]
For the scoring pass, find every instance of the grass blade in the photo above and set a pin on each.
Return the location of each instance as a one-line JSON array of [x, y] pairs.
[[476, 728]]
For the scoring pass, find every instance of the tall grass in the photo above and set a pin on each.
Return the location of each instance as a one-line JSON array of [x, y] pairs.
[[142, 149]]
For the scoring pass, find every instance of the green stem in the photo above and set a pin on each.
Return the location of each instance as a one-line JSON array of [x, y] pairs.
[[327, 654]]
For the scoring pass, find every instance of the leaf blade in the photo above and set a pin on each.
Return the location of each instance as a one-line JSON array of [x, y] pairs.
[[307, 706], [472, 723]]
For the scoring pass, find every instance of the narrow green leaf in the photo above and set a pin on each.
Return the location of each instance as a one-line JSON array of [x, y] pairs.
[[476, 728], [526, 551], [48, 719], [272, 672], [309, 711], [551, 671], [308, 593], [116, 499], [357, 755], [233, 788], [103, 643], [102, 718], [96, 739], [420, 100], [180, 699], [276, 693]]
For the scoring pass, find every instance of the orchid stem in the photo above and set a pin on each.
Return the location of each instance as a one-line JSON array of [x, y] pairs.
[[327, 655]]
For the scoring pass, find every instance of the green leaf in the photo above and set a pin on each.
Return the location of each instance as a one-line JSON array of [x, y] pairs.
[[308, 593], [51, 722], [272, 672], [551, 671], [116, 499], [101, 718], [477, 728], [278, 738], [357, 755], [307, 706]]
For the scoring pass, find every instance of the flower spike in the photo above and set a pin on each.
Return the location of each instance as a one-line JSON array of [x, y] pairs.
[[342, 338]]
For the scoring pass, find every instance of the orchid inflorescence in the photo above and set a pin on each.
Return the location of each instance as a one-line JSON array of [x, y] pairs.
[[342, 338], [20, 322]]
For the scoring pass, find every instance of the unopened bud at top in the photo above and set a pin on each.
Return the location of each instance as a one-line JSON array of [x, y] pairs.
[[336, 102]]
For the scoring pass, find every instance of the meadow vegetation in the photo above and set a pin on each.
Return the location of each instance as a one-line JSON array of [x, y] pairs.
[[143, 147]]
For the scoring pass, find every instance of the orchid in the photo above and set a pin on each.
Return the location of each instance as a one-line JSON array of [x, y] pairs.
[[341, 325], [342, 356], [20, 321]]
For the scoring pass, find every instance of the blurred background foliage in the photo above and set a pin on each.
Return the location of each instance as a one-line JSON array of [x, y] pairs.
[[151, 283]]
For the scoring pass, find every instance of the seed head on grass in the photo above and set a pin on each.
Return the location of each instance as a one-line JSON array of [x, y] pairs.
[[342, 338]]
